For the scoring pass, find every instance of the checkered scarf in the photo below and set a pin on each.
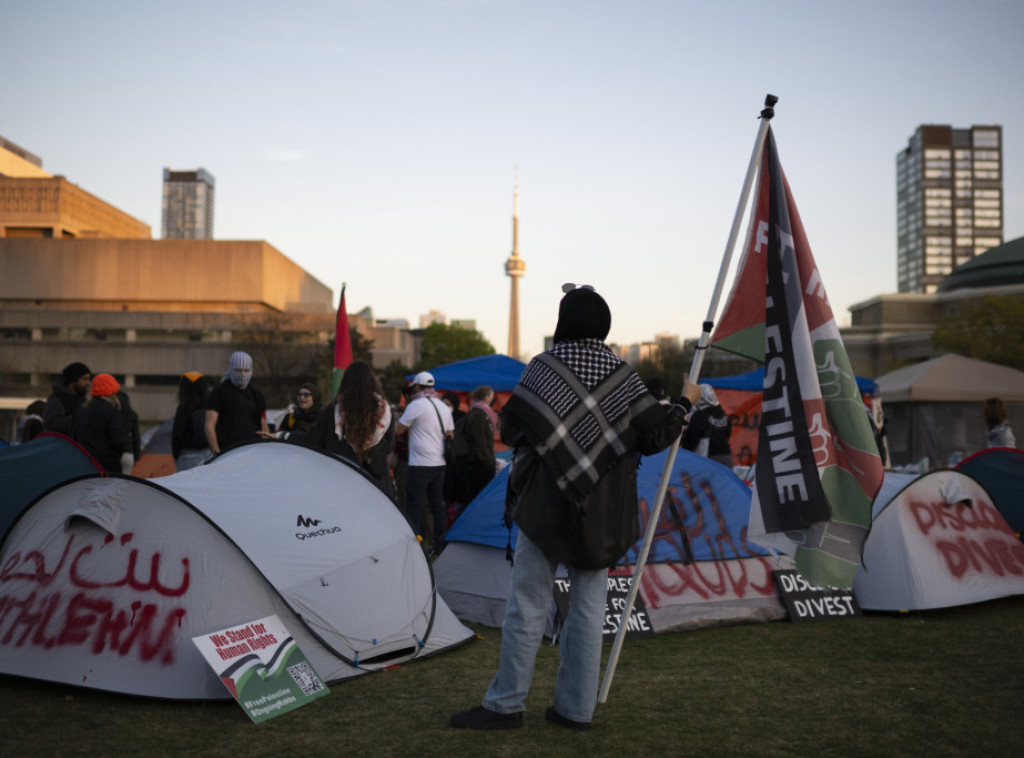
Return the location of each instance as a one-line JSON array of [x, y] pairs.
[[576, 403]]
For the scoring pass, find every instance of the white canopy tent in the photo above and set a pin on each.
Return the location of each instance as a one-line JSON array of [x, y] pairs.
[[934, 409]]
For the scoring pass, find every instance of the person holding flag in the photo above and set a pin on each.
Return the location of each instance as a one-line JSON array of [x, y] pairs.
[[818, 468], [577, 419]]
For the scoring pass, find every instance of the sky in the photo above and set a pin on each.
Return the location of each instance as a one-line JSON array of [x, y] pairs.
[[378, 142]]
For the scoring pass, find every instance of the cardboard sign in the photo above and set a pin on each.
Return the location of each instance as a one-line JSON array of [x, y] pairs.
[[618, 589], [805, 602], [262, 667]]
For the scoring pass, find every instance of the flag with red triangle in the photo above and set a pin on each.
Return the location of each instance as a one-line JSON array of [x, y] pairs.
[[818, 468], [342, 346]]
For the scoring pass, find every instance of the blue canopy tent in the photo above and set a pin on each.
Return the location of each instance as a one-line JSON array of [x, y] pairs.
[[499, 372], [754, 381]]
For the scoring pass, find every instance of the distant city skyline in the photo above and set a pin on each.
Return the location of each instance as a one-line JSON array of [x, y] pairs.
[[374, 143]]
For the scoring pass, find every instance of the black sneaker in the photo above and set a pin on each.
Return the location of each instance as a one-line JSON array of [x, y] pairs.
[[481, 718], [557, 718]]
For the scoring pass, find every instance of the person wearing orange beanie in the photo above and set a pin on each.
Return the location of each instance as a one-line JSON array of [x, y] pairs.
[[99, 426], [104, 385]]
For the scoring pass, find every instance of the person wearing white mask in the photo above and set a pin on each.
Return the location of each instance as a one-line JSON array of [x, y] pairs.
[[235, 410]]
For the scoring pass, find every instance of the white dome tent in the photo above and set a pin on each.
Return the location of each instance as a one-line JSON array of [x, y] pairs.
[[938, 542], [104, 581]]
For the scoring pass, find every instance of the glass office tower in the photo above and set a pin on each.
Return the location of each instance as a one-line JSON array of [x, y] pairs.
[[187, 205], [949, 195]]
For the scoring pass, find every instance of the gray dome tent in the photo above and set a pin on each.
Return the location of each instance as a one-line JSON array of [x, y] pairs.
[[104, 581]]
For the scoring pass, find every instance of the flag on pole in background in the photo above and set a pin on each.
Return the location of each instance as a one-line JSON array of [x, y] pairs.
[[818, 468], [342, 346]]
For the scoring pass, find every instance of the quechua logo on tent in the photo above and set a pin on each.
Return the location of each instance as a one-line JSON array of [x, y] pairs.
[[306, 523]]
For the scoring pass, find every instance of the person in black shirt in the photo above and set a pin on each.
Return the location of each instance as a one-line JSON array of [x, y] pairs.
[[69, 393], [235, 410], [99, 425], [188, 434]]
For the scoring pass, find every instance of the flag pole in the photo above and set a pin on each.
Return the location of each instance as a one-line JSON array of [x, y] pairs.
[[698, 360]]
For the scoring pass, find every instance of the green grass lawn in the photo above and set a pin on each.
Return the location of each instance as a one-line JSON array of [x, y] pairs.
[[940, 683]]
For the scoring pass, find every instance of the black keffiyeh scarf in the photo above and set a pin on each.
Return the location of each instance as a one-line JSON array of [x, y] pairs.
[[576, 403]]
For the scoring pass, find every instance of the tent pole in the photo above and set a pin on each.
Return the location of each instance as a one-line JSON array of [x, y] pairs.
[[698, 359]]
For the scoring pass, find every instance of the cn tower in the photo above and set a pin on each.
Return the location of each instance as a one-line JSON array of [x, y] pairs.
[[515, 267]]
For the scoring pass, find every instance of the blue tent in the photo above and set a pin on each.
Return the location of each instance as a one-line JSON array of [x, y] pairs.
[[1000, 471], [754, 381], [499, 372], [701, 570], [705, 500], [30, 469]]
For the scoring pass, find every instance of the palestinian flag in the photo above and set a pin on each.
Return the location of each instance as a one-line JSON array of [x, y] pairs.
[[342, 346], [818, 468]]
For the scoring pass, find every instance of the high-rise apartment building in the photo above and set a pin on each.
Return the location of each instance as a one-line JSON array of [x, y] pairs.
[[949, 195], [188, 205]]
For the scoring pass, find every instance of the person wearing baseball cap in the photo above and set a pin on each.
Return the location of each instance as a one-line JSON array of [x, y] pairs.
[[69, 393], [99, 426], [431, 433]]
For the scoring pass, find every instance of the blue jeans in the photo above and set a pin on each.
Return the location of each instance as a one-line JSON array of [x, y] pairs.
[[526, 612], [429, 481]]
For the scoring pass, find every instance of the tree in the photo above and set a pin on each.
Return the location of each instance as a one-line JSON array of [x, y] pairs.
[[991, 329], [445, 344], [673, 360], [669, 364], [392, 380], [285, 353], [361, 347]]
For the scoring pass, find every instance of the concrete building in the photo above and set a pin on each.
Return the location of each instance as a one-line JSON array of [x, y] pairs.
[[949, 195], [16, 161], [81, 280], [146, 310], [895, 330], [431, 317], [393, 339], [187, 205]]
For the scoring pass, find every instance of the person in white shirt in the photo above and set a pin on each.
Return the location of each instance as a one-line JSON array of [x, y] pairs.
[[428, 422]]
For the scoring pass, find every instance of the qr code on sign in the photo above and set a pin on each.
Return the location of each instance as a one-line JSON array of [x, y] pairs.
[[306, 678]]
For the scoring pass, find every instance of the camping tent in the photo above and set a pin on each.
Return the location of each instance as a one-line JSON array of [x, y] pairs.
[[939, 542], [1000, 470], [104, 581], [29, 469], [934, 409], [706, 512], [500, 372], [157, 457], [740, 398]]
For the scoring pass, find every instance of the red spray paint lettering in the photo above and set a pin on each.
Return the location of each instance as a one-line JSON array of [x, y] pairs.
[[98, 615], [664, 582], [970, 538]]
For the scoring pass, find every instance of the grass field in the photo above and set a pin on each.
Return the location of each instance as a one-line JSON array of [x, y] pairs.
[[941, 683]]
